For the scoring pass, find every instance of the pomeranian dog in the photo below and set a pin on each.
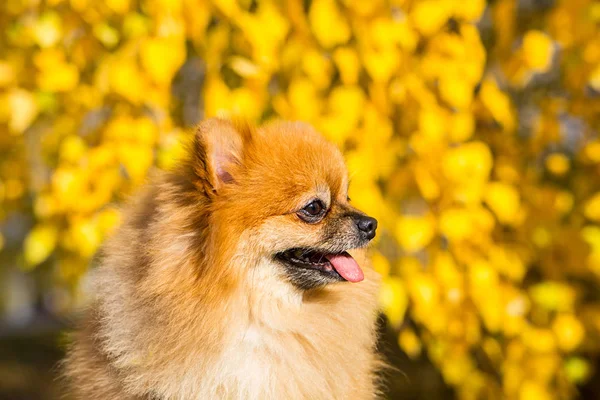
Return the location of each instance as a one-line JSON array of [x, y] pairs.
[[231, 278]]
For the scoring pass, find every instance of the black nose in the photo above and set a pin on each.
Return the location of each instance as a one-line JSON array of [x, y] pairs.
[[367, 226]]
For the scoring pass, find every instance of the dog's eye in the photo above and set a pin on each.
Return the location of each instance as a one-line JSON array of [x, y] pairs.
[[314, 208], [312, 211]]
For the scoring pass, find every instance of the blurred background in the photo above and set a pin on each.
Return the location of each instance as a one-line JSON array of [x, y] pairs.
[[471, 130]]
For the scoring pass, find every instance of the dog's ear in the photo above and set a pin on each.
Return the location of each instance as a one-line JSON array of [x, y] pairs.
[[218, 152]]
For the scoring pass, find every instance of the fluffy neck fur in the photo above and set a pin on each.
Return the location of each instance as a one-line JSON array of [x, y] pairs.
[[184, 313]]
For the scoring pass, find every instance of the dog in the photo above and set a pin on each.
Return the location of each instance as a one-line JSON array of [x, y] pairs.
[[231, 277]]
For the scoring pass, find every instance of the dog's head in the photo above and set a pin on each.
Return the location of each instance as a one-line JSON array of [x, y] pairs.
[[284, 189]]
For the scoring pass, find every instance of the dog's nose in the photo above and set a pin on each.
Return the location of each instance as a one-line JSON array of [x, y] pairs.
[[367, 227]]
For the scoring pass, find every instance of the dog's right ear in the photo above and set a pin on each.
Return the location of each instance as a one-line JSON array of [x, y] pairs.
[[218, 152]]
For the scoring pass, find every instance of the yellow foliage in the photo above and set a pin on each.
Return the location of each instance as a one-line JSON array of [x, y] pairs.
[[592, 207], [414, 233], [161, 58], [410, 343], [553, 296], [40, 244], [504, 201], [537, 51], [498, 104], [394, 300], [569, 331], [328, 23], [558, 164], [478, 157], [577, 369], [534, 391], [22, 108]]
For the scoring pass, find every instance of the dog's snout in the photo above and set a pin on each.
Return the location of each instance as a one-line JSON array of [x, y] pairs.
[[367, 227]]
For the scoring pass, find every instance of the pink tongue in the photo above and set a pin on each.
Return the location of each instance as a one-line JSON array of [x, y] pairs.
[[346, 266]]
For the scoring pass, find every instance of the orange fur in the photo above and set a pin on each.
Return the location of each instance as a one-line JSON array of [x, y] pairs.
[[189, 301]]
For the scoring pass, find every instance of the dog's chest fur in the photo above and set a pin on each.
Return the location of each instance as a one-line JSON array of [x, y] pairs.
[[156, 334], [294, 349]]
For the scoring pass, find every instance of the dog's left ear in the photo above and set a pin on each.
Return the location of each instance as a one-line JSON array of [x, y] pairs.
[[218, 152]]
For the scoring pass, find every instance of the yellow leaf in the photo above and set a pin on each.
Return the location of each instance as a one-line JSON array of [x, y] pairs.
[[67, 185], [457, 92], [108, 220], [45, 206], [72, 148], [470, 10], [246, 103], [7, 74], [538, 50], [244, 67], [137, 160], [228, 7], [498, 104], [85, 236], [424, 292], [304, 101], [118, 6], [482, 276], [328, 23], [108, 35], [456, 224], [507, 262], [216, 98], [504, 201], [427, 184], [40, 243], [23, 110], [553, 296], [432, 124], [348, 101], [591, 234], [381, 64], [595, 78], [348, 64], [366, 196], [468, 163], [563, 203], [393, 300], [266, 30], [126, 80], [577, 369], [47, 30], [462, 126], [592, 149], [409, 343], [447, 272], [346, 104], [592, 207], [531, 390], [318, 68], [14, 189], [539, 340], [171, 149], [414, 233], [380, 264], [558, 164], [364, 8], [162, 57], [569, 331], [429, 16], [61, 78]]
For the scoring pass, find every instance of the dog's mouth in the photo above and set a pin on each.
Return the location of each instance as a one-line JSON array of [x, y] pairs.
[[329, 266]]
